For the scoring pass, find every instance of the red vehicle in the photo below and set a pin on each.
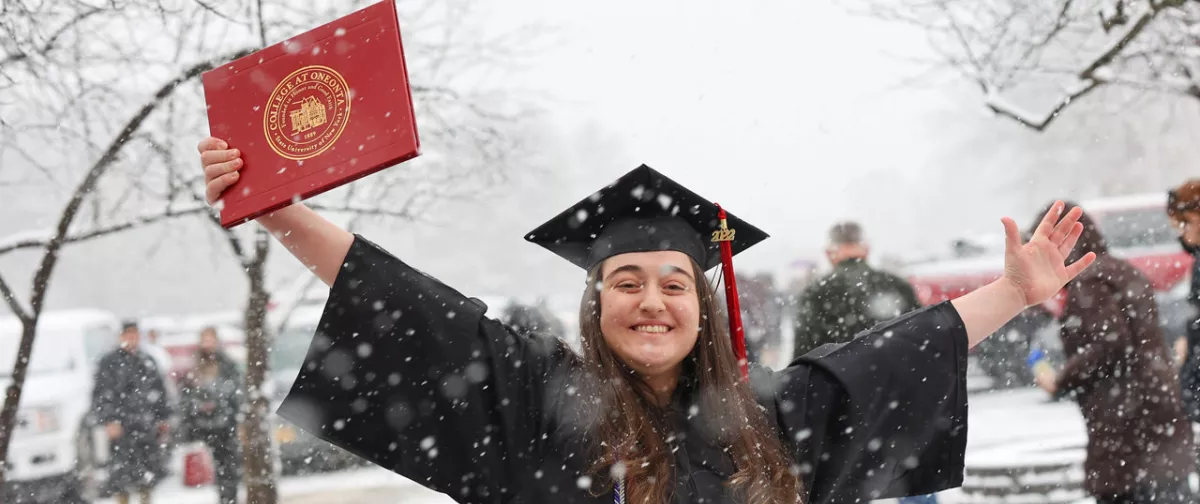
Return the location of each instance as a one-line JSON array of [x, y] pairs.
[[1137, 229]]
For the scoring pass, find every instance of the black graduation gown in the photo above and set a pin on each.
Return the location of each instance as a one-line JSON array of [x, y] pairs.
[[406, 372]]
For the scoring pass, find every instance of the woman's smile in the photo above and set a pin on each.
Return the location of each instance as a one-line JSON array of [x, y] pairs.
[[651, 328]]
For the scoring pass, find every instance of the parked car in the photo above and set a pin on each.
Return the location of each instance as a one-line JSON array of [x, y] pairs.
[[1137, 230], [56, 452], [299, 451]]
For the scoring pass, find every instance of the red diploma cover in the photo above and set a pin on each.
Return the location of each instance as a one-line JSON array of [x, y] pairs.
[[316, 111]]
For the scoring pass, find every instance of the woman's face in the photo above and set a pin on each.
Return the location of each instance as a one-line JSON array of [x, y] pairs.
[[649, 309], [208, 341], [1189, 227]]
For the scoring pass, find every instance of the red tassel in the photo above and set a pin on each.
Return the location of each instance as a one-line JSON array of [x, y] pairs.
[[736, 332]]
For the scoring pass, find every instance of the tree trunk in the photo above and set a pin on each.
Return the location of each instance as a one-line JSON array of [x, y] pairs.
[[259, 476], [12, 396], [41, 277]]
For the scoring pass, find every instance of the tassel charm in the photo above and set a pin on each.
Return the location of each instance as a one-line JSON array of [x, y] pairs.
[[725, 237]]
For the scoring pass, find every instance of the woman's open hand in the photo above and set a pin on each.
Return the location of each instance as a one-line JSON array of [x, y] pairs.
[[1038, 268]]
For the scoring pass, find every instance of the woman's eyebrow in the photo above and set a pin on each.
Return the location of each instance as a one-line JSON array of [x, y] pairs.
[[676, 269], [633, 268]]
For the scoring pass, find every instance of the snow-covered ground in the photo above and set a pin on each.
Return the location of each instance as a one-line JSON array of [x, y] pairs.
[[1007, 424], [1004, 428], [1007, 427], [306, 488], [1020, 428]]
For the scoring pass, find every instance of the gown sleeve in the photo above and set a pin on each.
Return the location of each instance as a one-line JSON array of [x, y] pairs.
[[882, 416], [407, 373]]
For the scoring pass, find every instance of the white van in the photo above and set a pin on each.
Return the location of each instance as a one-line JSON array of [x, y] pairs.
[[53, 426]]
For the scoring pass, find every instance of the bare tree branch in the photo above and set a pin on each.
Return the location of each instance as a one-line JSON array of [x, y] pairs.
[[29, 240], [13, 302], [101, 165], [50, 43], [1107, 56], [52, 247], [1029, 119], [71, 84], [996, 42], [1061, 21], [1089, 77], [204, 5], [239, 252], [262, 26], [367, 211]]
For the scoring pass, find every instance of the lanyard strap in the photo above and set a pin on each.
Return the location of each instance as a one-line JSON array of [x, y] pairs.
[[619, 487]]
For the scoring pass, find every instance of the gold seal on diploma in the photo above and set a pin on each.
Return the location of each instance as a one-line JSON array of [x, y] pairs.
[[307, 112]]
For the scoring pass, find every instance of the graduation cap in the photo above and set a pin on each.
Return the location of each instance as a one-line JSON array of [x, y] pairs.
[[644, 211]]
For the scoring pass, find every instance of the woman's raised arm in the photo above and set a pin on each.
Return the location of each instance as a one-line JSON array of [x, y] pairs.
[[318, 243]]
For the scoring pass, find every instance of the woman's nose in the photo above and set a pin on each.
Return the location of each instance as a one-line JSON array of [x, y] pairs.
[[651, 301]]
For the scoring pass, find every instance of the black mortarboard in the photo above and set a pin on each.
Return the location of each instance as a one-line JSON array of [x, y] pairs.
[[642, 211]]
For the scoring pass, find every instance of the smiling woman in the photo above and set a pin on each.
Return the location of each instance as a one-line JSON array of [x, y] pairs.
[[651, 313], [642, 342], [408, 373]]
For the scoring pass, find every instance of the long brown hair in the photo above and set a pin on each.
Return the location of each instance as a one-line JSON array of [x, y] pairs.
[[1184, 200], [629, 431], [208, 365]]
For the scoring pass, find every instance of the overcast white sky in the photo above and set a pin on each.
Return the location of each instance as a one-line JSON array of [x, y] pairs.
[[792, 115], [788, 113], [773, 108]]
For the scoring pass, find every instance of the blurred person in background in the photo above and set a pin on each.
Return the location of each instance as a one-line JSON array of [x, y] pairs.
[[533, 320], [162, 358], [762, 306], [852, 298], [211, 402], [130, 400], [150, 345], [1183, 207], [1119, 371]]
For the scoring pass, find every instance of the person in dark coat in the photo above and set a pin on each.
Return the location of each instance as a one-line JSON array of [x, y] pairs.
[[1119, 371], [408, 373], [852, 298], [532, 320], [763, 307], [130, 401], [1183, 208], [212, 403]]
